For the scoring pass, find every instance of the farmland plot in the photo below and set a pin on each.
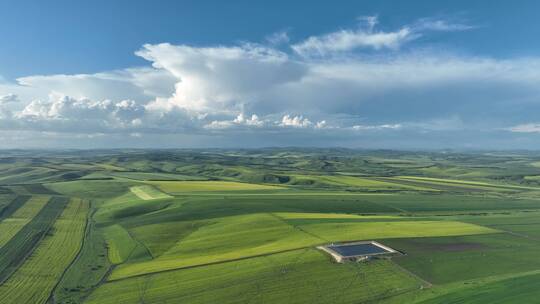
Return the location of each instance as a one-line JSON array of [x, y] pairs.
[[35, 279], [24, 214], [307, 274], [23, 243]]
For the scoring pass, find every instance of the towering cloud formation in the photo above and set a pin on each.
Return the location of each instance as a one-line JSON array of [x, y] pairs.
[[222, 79]]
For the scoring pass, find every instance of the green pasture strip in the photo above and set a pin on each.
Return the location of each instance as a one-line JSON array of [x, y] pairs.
[[466, 183], [160, 237], [34, 280], [453, 203], [362, 183], [292, 192], [238, 237], [325, 216], [347, 231], [299, 219], [190, 208], [6, 192], [148, 193], [39, 189], [112, 213], [443, 260], [125, 198], [27, 175], [446, 180], [296, 277], [110, 167], [91, 189], [224, 239], [152, 176], [525, 224], [451, 289], [16, 203], [121, 246], [519, 289], [87, 270], [19, 190], [22, 244], [13, 224], [536, 164], [197, 186], [443, 186]]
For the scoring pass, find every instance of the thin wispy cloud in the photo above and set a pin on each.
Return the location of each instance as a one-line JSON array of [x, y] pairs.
[[366, 35], [443, 25], [526, 128], [278, 38]]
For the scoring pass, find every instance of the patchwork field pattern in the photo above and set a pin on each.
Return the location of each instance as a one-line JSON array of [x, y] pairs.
[[35, 279], [15, 251], [307, 274], [242, 226]]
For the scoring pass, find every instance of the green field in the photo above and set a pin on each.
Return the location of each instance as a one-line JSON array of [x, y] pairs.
[[237, 237], [302, 276], [34, 281], [148, 193], [243, 226], [16, 250], [198, 186]]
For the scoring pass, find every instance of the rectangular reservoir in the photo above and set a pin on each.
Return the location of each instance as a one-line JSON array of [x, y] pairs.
[[357, 250]]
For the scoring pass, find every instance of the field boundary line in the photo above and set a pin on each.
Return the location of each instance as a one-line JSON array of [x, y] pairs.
[[427, 283], [298, 228], [392, 207], [135, 248], [51, 298], [13, 206], [110, 269], [208, 264], [478, 282], [522, 235]]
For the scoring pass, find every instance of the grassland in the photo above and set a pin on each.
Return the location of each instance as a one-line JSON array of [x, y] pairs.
[[197, 186], [354, 182], [302, 276], [238, 237], [121, 246], [12, 225], [521, 289], [87, 270], [447, 260], [148, 193], [155, 176], [35, 279], [15, 251], [241, 226], [14, 203]]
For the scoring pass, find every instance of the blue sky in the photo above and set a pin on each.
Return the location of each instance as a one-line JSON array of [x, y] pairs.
[[372, 74]]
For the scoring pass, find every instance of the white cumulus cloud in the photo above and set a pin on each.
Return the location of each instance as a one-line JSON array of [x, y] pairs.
[[197, 91], [295, 121], [221, 79]]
